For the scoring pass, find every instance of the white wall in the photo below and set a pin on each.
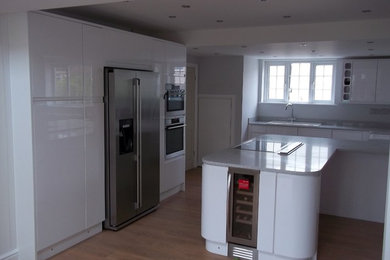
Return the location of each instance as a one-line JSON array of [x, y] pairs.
[[222, 75], [7, 191], [249, 92]]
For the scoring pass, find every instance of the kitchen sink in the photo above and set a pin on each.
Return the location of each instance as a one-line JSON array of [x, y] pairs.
[[293, 123]]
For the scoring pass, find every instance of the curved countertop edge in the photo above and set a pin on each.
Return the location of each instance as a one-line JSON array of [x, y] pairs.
[[233, 157]]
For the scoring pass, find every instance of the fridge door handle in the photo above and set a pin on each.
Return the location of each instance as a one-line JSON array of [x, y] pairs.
[[135, 83], [139, 117]]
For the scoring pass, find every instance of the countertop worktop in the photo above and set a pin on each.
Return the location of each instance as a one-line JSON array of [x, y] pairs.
[[310, 158], [342, 125]]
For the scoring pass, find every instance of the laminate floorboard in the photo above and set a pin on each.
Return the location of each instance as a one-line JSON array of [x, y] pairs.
[[173, 232]]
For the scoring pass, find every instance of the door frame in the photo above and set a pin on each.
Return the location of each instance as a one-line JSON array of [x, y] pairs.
[[195, 144]]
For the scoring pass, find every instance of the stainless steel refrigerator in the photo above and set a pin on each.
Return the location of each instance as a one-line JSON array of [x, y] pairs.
[[132, 139]]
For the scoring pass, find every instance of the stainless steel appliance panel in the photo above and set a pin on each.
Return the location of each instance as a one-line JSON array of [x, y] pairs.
[[174, 136], [150, 139], [175, 100], [132, 144]]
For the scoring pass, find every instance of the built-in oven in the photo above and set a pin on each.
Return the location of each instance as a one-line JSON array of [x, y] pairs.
[[175, 100], [174, 136]]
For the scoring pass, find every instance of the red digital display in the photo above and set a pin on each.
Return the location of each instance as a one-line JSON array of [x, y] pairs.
[[243, 184]]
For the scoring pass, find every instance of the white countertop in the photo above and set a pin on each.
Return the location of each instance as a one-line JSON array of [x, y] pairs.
[[310, 158], [342, 125]]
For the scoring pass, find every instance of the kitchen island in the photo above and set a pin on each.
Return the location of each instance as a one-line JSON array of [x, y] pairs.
[[284, 222]]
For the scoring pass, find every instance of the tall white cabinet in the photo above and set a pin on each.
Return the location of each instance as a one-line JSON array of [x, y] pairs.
[[67, 58], [68, 139]]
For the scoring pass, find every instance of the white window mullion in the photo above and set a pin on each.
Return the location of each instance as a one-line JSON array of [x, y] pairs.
[[287, 82], [312, 82]]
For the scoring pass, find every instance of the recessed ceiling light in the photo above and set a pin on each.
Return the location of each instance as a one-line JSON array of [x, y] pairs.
[[219, 21], [286, 16], [370, 42], [195, 48], [261, 52], [366, 11], [216, 53], [370, 49], [186, 6], [172, 16], [243, 46], [303, 44], [313, 51]]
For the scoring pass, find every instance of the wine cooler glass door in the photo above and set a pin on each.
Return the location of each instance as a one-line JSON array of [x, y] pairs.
[[243, 206]]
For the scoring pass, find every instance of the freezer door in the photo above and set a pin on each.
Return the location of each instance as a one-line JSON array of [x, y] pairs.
[[121, 142], [150, 139]]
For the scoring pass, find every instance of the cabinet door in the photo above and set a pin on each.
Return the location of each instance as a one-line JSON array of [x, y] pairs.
[[348, 135], [282, 130], [115, 48], [55, 57], [363, 81], [255, 130], [383, 82], [176, 63], [315, 132], [59, 170], [94, 162], [296, 215]]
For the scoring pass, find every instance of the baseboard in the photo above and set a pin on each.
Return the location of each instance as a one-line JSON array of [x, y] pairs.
[[11, 255], [69, 242], [166, 194]]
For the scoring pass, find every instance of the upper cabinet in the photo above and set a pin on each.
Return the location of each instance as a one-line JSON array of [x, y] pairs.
[[382, 95], [55, 57], [366, 81], [359, 81], [176, 63]]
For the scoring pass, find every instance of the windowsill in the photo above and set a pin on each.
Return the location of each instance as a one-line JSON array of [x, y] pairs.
[[298, 104]]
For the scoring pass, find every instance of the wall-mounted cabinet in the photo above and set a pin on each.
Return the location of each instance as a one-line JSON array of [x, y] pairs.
[[382, 95], [366, 81]]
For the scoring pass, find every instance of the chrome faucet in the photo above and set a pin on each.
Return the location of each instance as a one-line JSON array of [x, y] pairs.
[[289, 104]]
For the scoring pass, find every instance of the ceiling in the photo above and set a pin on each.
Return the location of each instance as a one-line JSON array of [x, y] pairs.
[[171, 19]]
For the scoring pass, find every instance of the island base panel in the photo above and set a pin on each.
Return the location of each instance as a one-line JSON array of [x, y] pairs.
[[217, 248], [222, 249]]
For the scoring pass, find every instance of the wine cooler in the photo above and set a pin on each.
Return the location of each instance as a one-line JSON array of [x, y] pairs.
[[243, 211]]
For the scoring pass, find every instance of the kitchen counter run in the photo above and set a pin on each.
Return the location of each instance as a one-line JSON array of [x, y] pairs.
[[310, 158], [341, 125]]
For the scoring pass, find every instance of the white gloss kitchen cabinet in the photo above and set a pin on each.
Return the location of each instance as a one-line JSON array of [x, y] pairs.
[[366, 81], [66, 60], [382, 94], [67, 136], [255, 130]]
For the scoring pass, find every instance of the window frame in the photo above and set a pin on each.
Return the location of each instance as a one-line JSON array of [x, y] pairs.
[[287, 76]]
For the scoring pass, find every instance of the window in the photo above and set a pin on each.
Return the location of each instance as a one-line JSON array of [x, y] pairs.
[[299, 82]]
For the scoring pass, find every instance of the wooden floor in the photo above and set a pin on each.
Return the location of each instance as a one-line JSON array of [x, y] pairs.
[[173, 232]]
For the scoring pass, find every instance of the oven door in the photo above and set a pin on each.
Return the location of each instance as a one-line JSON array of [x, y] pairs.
[[174, 140], [175, 102]]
